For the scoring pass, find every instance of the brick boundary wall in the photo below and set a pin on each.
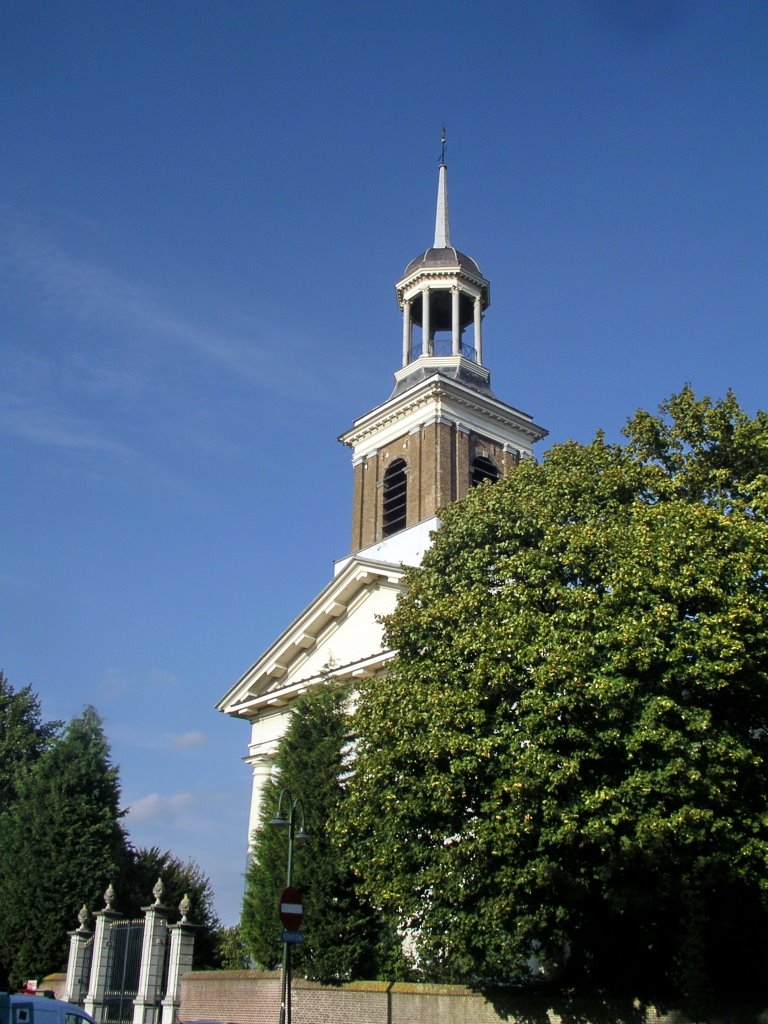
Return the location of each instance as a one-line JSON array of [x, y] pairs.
[[253, 997]]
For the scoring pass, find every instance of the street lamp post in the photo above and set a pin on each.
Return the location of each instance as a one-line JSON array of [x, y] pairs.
[[287, 820]]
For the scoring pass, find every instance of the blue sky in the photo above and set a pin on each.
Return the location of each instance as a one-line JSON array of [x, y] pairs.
[[203, 211]]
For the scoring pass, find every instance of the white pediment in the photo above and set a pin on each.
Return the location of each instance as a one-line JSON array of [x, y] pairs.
[[338, 634]]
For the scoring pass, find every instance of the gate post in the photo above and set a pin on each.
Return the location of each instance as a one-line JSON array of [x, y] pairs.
[[94, 1001], [77, 969], [180, 961], [146, 1003]]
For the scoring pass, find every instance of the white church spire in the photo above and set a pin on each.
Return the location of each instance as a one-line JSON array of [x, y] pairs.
[[442, 227]]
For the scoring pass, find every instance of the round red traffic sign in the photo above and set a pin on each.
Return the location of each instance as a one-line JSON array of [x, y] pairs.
[[291, 909]]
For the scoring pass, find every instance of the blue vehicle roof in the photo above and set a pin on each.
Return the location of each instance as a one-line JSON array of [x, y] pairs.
[[27, 999]]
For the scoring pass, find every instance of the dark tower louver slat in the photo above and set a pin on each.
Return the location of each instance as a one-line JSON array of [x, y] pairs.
[[483, 469], [395, 498]]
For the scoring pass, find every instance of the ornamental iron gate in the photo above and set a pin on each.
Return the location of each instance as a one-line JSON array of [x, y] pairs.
[[84, 977], [129, 972], [123, 968]]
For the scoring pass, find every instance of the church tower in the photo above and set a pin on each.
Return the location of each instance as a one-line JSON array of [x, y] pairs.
[[440, 432]]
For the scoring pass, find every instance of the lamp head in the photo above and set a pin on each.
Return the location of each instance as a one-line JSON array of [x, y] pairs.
[[279, 820]]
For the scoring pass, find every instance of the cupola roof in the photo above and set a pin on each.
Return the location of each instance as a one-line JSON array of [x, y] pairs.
[[442, 259]]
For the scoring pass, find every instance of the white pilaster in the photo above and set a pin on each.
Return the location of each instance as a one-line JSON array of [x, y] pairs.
[[146, 1003], [76, 984], [179, 963], [94, 1000], [261, 773]]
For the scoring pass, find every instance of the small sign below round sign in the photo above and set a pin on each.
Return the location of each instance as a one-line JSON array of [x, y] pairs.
[[291, 909]]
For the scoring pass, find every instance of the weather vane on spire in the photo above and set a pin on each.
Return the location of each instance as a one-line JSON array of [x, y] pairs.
[[442, 147]]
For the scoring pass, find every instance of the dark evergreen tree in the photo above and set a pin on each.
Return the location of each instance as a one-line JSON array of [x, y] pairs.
[[344, 938], [62, 844], [145, 865], [142, 869], [23, 736]]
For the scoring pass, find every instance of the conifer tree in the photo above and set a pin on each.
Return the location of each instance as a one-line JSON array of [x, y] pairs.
[[62, 844], [23, 735], [344, 938]]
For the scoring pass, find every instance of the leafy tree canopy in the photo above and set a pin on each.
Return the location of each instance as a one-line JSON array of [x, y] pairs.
[[344, 939], [568, 757], [231, 949]]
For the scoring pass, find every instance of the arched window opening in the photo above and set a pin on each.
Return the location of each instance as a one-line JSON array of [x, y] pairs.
[[395, 498], [483, 469]]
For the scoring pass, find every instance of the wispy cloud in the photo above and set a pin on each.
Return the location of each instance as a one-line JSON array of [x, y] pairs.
[[36, 407], [115, 684], [91, 351], [155, 807], [54, 428], [189, 739], [92, 294]]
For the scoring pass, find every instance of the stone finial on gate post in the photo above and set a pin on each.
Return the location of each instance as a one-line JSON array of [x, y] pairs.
[[180, 960], [150, 989], [77, 968], [94, 1000]]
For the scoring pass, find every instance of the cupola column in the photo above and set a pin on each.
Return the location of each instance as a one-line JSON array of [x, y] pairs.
[[479, 329], [407, 331], [455, 325], [425, 326]]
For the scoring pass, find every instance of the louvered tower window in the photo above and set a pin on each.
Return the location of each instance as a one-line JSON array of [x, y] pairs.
[[395, 498], [483, 469]]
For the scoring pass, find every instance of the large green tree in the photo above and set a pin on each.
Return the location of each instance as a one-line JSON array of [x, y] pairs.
[[23, 736], [344, 938], [567, 760], [61, 844]]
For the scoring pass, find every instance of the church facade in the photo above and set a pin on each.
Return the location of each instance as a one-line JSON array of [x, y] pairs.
[[440, 432]]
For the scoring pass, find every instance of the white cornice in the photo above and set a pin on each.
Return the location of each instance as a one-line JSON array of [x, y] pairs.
[[438, 398], [260, 685], [282, 696], [443, 278]]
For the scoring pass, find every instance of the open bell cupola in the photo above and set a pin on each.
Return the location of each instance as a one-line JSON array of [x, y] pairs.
[[442, 292]]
